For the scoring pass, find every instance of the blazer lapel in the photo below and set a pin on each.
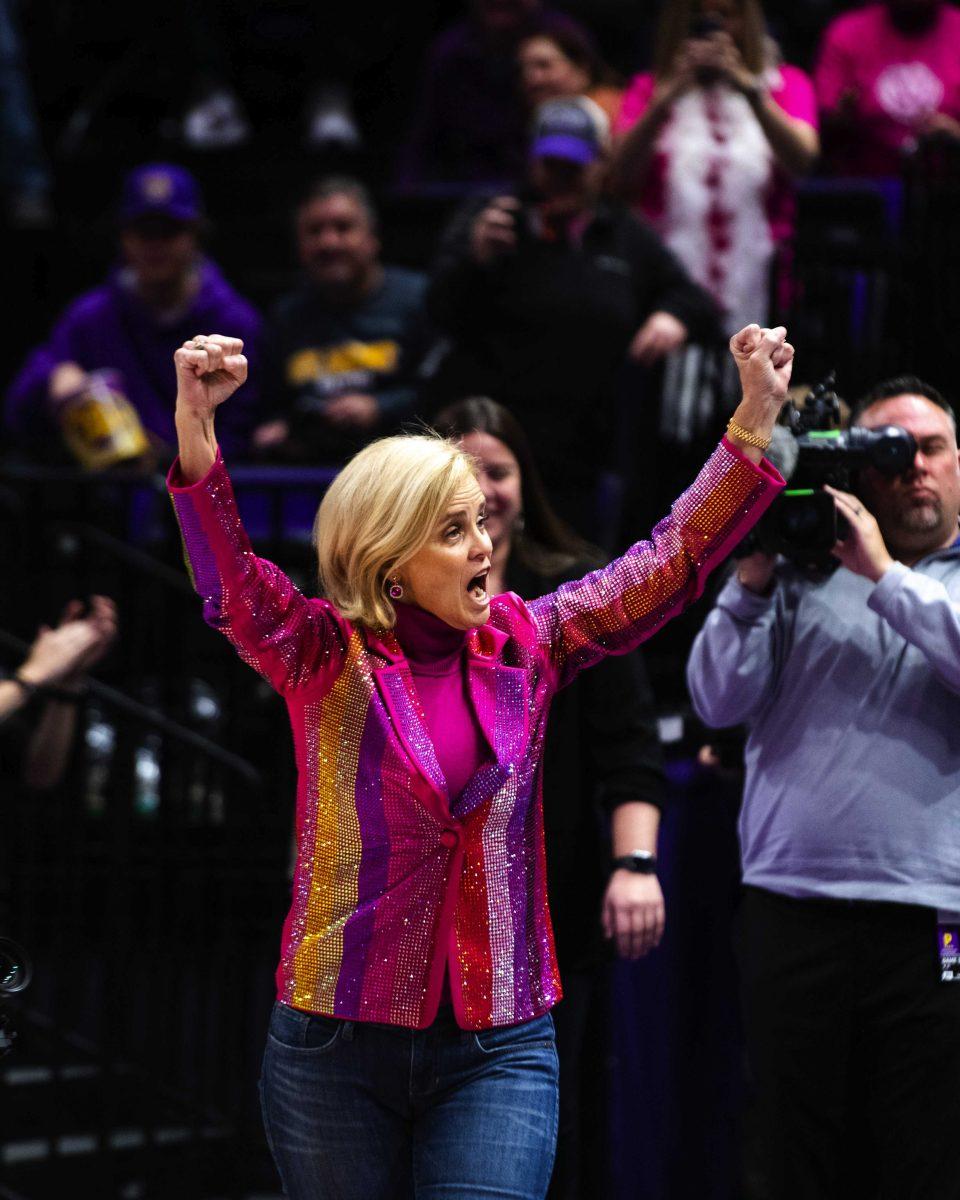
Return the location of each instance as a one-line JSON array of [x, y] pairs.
[[499, 697], [397, 690]]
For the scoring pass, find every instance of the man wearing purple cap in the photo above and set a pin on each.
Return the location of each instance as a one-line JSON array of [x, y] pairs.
[[548, 293], [162, 292]]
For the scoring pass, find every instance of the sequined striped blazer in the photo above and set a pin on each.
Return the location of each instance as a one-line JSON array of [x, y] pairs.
[[395, 878]]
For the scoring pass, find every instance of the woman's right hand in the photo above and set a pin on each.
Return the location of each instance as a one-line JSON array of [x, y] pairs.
[[210, 368], [681, 79]]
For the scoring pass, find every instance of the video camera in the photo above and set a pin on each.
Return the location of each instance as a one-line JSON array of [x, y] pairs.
[[802, 524], [15, 974]]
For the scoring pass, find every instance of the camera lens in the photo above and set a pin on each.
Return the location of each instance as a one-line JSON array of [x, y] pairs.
[[893, 451], [15, 968]]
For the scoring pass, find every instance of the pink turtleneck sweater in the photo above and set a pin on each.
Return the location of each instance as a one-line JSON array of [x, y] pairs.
[[434, 650]]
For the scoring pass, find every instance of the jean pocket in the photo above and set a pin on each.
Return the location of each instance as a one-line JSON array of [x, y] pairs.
[[298, 1030], [536, 1033]]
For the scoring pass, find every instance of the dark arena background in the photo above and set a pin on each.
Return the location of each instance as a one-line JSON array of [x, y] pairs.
[[146, 874]]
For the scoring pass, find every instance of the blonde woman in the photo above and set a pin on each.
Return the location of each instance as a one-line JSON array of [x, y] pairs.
[[411, 1050]]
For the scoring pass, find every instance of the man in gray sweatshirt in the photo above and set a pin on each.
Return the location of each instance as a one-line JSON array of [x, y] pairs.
[[850, 827]]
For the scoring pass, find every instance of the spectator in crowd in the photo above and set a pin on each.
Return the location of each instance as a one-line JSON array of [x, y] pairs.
[[601, 749], [546, 295], [24, 174], [709, 142], [130, 325], [53, 672], [563, 61], [849, 686], [888, 79], [470, 123], [343, 349]]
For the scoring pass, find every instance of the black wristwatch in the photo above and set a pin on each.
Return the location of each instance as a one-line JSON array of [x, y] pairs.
[[641, 862]]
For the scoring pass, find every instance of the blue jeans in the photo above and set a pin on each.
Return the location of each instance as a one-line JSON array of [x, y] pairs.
[[359, 1111]]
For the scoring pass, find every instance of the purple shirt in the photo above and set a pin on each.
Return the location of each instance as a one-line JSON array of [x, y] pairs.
[[111, 327]]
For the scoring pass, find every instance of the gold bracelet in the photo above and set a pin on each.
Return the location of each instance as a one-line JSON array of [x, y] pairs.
[[745, 435]]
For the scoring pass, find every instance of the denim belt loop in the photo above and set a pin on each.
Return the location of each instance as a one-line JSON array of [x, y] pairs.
[[347, 1034]]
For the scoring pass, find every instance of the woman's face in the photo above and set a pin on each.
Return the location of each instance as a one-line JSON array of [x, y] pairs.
[[728, 14], [546, 73], [448, 576], [498, 474]]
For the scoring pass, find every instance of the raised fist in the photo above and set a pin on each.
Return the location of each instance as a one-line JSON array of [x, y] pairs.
[[210, 368], [764, 360]]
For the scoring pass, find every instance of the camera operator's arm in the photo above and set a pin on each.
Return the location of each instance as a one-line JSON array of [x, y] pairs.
[[924, 613], [918, 607], [734, 661]]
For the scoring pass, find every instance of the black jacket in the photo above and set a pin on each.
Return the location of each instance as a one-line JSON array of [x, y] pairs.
[[545, 329], [601, 750]]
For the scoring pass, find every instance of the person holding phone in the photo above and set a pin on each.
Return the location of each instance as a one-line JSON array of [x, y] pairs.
[[548, 291], [708, 145]]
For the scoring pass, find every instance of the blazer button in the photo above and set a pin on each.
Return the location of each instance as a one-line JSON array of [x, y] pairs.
[[449, 838]]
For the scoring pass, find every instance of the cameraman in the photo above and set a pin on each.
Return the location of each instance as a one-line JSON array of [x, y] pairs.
[[850, 826]]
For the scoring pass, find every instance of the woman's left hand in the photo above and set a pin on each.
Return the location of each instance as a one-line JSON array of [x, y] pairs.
[[720, 53], [633, 913], [863, 550]]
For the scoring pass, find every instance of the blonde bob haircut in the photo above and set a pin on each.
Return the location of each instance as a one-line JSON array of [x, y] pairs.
[[378, 512]]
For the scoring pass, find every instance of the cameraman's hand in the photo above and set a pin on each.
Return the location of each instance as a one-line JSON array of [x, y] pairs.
[[755, 572], [863, 550], [494, 230]]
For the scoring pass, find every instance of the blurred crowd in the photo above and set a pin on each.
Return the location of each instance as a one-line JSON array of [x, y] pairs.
[[606, 231], [535, 230]]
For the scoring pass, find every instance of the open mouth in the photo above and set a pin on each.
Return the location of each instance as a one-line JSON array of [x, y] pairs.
[[477, 587]]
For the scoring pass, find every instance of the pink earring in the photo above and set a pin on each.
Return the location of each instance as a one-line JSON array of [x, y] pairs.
[[395, 590]]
